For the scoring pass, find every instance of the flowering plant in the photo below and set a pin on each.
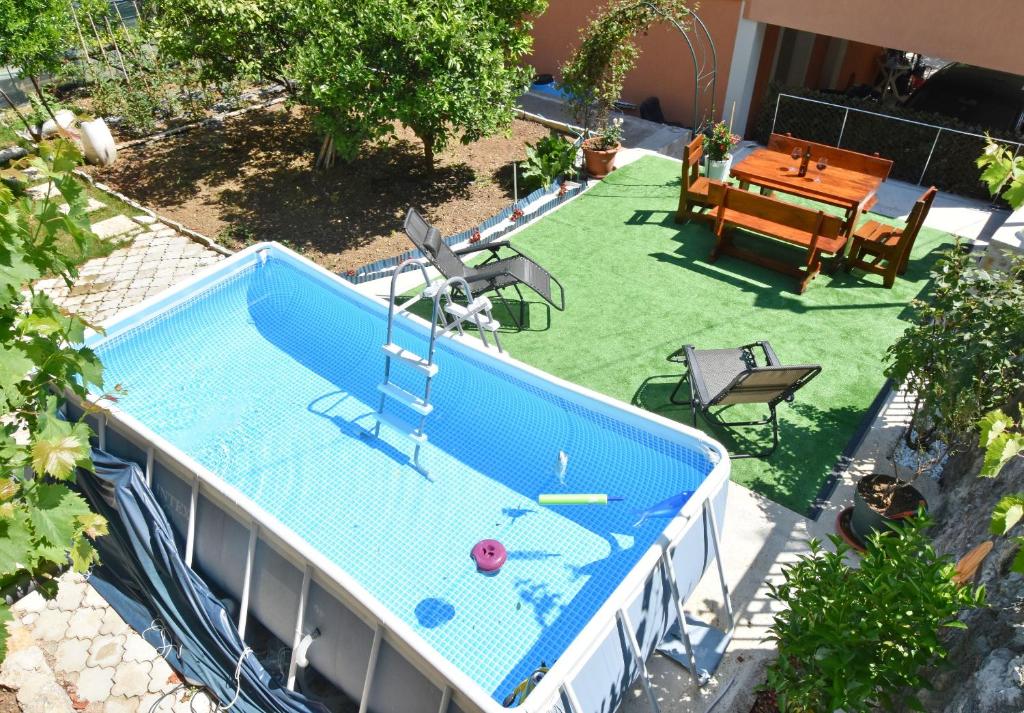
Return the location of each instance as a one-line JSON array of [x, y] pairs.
[[719, 141], [610, 137]]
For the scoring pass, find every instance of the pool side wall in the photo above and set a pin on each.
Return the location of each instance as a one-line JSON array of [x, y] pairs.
[[364, 648]]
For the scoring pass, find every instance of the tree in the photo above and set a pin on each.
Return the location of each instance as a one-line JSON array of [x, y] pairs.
[[441, 68], [43, 523], [232, 39], [33, 37]]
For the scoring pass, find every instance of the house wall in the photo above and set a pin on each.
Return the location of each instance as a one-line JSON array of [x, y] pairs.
[[664, 69], [985, 33]]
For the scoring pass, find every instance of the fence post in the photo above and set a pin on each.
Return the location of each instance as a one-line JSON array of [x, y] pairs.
[[925, 169], [778, 98], [842, 129]]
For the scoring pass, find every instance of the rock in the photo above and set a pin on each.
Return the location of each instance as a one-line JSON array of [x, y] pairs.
[[12, 153], [94, 684], [111, 227], [144, 219]]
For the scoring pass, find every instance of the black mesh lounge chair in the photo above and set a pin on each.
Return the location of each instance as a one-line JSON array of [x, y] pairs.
[[493, 274], [726, 377]]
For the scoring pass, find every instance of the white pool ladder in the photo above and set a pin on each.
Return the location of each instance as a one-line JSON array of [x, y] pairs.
[[477, 311]]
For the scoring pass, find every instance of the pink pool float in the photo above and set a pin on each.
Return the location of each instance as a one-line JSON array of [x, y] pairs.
[[489, 556]]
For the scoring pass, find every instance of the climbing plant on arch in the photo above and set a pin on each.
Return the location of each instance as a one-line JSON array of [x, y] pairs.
[[594, 74]]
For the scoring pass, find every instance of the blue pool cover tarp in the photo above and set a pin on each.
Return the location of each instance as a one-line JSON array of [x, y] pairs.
[[144, 578]]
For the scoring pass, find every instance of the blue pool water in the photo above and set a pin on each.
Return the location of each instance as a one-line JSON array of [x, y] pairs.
[[268, 378]]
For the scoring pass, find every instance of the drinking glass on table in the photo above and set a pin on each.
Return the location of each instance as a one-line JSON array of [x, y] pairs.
[[821, 165], [795, 154]]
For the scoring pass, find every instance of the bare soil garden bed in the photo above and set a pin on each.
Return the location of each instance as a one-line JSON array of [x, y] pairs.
[[252, 179]]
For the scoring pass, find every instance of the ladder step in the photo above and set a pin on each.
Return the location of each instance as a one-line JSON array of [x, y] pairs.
[[405, 398], [402, 427], [472, 314], [414, 360]]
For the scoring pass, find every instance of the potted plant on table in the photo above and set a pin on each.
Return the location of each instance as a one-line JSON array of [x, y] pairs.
[[718, 143]]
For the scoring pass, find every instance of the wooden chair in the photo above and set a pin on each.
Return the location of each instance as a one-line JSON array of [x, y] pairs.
[[816, 231], [872, 165], [693, 190], [888, 247]]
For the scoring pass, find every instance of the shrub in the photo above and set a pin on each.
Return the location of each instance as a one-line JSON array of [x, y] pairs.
[[43, 524], [964, 354], [856, 639], [547, 160]]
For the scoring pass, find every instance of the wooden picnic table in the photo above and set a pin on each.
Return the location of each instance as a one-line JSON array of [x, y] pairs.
[[851, 190]]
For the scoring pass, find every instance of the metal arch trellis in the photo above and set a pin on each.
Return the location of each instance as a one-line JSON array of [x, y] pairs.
[[705, 73]]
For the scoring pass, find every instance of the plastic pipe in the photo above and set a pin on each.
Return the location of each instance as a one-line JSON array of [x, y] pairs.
[[576, 498]]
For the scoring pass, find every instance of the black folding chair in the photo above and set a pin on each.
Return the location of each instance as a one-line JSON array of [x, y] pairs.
[[720, 378], [493, 274]]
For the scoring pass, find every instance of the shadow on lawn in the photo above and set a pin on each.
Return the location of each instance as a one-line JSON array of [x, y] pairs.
[[808, 451], [773, 289]]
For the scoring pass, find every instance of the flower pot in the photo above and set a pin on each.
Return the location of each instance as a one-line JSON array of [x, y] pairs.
[[598, 161], [873, 508], [719, 170]]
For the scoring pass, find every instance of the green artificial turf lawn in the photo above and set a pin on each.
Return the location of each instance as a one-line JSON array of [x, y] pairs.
[[638, 286]]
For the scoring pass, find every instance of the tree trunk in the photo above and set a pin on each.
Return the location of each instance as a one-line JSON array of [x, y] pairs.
[[428, 154]]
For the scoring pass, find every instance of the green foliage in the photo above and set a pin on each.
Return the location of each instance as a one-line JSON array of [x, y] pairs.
[[1002, 440], [34, 34], [964, 354], [1003, 173], [233, 39], [547, 160], [441, 68], [857, 639], [595, 72], [43, 524], [719, 142]]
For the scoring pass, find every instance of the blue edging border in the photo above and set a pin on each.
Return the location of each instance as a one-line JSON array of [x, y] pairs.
[[382, 268]]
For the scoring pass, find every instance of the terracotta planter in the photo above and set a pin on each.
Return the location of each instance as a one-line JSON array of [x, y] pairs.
[[598, 161], [870, 516]]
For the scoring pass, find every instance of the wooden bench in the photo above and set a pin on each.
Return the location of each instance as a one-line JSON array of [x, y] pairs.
[[872, 165], [816, 231]]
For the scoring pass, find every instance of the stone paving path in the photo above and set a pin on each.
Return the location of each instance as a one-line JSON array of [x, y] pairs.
[[75, 653]]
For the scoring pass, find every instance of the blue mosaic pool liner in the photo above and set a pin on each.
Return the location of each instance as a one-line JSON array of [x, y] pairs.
[[512, 217]]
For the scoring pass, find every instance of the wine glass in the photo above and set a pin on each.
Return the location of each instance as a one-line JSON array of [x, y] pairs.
[[821, 165], [795, 154]]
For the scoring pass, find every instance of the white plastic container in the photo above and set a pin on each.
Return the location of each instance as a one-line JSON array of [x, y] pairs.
[[98, 144], [65, 120]]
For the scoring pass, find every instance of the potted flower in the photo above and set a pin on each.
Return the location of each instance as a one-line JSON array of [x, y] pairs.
[[599, 150], [718, 145]]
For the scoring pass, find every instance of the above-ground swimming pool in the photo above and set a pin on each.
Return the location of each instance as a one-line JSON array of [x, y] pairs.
[[250, 390]]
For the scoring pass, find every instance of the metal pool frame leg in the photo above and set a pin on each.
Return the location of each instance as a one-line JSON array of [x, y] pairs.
[[700, 676], [300, 616], [250, 556], [638, 657], [371, 667]]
